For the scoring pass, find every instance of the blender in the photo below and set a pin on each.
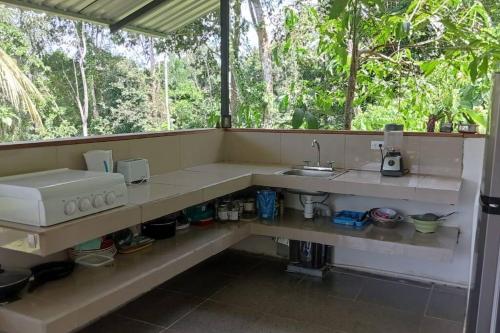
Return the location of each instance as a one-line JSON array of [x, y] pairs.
[[392, 160]]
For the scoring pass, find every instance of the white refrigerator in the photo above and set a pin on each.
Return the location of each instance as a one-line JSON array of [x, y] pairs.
[[483, 305]]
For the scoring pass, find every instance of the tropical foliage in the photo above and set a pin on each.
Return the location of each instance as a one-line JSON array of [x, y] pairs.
[[334, 64]]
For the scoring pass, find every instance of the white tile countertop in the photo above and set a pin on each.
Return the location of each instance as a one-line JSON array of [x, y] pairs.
[[170, 192]]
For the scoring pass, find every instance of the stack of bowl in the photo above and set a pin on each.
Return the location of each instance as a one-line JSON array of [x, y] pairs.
[[107, 249], [385, 217]]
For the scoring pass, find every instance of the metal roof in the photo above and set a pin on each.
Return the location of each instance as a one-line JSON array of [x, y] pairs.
[[154, 17]]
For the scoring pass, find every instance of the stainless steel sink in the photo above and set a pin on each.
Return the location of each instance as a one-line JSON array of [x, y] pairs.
[[310, 173]]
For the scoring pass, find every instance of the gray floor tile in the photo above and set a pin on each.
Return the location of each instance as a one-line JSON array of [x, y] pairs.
[[160, 307], [114, 323], [272, 272], [232, 263], [375, 318], [213, 317], [320, 309], [274, 324], [448, 303], [200, 283], [396, 295], [434, 325], [334, 284], [251, 294]]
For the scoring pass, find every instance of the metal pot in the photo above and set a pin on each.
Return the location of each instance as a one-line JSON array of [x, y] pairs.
[[12, 281]]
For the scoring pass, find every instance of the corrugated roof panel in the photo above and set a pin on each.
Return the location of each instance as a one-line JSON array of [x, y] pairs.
[[167, 17]]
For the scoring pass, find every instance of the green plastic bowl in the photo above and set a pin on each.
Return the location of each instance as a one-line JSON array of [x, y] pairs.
[[425, 227]]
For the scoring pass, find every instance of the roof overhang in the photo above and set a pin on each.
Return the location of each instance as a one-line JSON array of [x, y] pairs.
[[152, 17]]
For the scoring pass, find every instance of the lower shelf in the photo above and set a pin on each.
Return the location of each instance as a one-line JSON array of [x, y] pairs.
[[403, 240], [65, 305]]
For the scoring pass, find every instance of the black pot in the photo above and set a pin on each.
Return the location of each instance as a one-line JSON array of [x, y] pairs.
[[161, 228], [12, 281]]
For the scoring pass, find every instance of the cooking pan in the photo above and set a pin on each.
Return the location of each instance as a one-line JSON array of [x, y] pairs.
[[12, 281]]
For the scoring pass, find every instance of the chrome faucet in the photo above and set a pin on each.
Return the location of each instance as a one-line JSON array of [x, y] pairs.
[[316, 143]]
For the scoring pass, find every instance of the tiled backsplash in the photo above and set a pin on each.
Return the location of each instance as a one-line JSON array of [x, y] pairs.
[[423, 155], [165, 153]]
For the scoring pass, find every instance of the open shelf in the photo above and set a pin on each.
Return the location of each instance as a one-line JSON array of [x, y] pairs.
[[403, 240], [67, 304], [64, 305]]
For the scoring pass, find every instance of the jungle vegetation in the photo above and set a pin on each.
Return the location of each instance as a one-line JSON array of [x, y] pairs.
[[330, 64]]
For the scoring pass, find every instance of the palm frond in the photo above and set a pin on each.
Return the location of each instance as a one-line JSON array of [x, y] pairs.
[[17, 89]]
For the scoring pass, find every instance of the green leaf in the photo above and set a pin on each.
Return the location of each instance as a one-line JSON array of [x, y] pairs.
[[473, 69], [298, 118], [483, 67], [477, 117], [311, 121], [283, 103], [429, 66], [337, 7]]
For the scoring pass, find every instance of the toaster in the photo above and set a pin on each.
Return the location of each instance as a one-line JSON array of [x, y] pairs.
[[134, 170]]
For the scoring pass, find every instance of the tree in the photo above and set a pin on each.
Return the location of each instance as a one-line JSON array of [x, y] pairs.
[[80, 87], [259, 22], [17, 89]]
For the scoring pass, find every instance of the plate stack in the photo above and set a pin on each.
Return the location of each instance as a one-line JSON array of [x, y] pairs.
[[385, 217], [107, 249]]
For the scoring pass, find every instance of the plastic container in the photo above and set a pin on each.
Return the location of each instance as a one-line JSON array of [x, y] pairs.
[[393, 137], [266, 204], [350, 218]]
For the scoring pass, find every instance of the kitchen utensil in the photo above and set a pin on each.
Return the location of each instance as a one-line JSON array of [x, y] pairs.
[[200, 212], [392, 160], [379, 217], [161, 228], [12, 282], [182, 222], [94, 260], [430, 216], [134, 170], [425, 226], [50, 271], [99, 160]]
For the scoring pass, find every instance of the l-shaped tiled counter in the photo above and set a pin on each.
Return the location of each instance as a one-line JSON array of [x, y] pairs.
[[64, 305]]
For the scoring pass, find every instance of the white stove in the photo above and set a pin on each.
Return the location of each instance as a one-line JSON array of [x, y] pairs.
[[51, 197]]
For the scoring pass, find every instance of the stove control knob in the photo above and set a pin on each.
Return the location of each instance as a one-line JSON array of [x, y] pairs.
[[70, 207], [84, 204], [110, 198], [98, 201]]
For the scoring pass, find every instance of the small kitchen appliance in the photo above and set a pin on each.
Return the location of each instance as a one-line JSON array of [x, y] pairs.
[[392, 160], [99, 160], [134, 170], [51, 197]]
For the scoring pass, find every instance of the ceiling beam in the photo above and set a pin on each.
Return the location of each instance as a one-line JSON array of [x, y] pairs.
[[136, 15], [73, 16]]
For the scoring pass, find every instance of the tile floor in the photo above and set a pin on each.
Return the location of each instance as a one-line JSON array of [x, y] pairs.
[[234, 292]]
